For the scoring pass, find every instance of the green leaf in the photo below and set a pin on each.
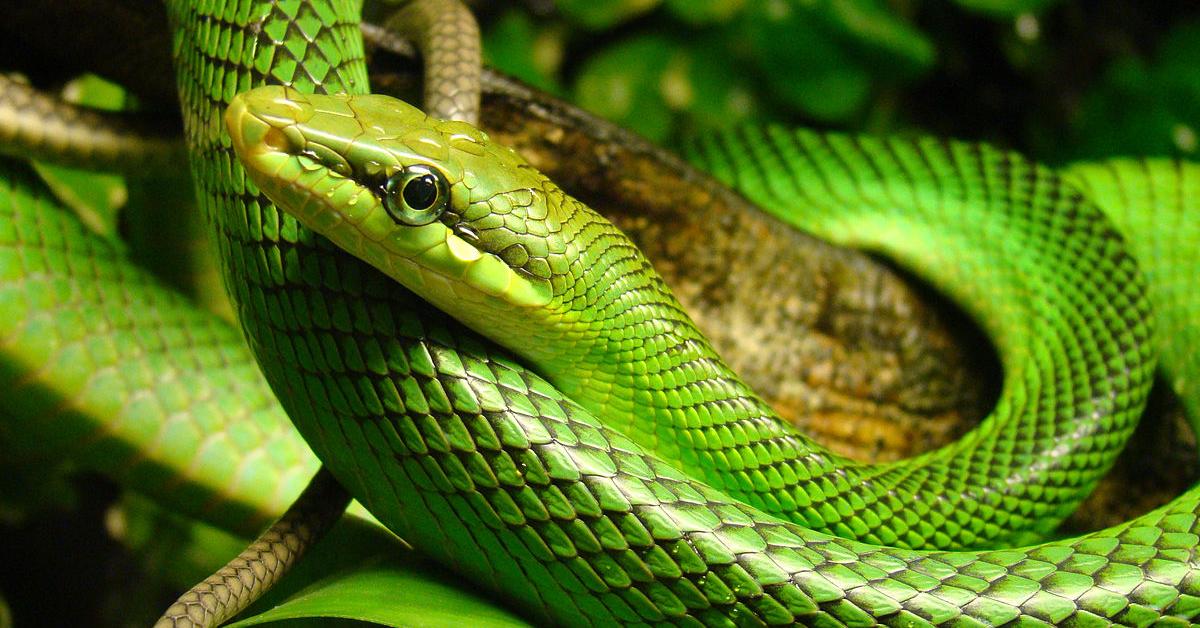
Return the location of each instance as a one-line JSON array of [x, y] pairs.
[[711, 87], [831, 94], [823, 79], [880, 36], [388, 591], [361, 572], [95, 197], [601, 14]]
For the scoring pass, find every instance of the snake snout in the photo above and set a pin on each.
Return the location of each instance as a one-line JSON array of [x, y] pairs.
[[258, 120]]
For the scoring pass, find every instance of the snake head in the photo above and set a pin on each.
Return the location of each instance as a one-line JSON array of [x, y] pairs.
[[465, 223], [436, 205]]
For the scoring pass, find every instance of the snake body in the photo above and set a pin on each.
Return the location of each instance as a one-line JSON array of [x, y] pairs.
[[493, 471], [106, 366], [506, 252], [499, 475]]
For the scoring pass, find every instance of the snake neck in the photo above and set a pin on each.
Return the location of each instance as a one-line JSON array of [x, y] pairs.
[[615, 339]]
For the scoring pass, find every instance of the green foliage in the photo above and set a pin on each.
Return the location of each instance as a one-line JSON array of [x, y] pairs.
[[385, 590], [600, 14], [515, 43], [1145, 107], [361, 572], [1059, 79], [673, 68]]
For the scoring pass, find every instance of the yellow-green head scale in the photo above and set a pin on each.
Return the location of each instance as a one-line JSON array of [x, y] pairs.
[[407, 192], [466, 223]]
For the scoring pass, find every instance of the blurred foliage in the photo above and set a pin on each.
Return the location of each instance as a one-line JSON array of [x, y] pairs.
[[1005, 8], [1145, 105], [1059, 79]]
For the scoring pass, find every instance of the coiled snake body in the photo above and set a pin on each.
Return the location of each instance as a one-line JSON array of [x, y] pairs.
[[486, 466]]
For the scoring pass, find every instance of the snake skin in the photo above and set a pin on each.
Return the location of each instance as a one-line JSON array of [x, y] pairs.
[[102, 364], [452, 56], [491, 470], [1158, 202], [575, 298], [447, 35]]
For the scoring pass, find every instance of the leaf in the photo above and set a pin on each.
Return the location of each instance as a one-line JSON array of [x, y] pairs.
[[388, 591], [805, 66], [361, 572], [719, 95], [94, 197], [881, 36]]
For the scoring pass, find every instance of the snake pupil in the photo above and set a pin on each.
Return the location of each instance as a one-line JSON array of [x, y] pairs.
[[416, 195], [420, 193]]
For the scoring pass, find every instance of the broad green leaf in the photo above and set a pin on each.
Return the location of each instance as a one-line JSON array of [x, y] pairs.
[[359, 572], [879, 35], [95, 197], [719, 95], [830, 94], [805, 65], [391, 592]]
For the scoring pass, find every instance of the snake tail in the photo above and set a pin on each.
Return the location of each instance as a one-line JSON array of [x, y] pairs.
[[35, 125], [233, 587]]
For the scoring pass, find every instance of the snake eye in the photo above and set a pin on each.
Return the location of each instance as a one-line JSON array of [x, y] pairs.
[[416, 195]]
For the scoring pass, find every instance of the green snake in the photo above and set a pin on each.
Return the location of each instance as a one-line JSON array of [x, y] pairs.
[[490, 469]]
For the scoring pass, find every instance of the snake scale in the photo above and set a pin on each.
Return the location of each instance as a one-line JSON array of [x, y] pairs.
[[493, 471]]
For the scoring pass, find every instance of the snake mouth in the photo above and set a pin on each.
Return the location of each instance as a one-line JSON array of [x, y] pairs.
[[430, 259]]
